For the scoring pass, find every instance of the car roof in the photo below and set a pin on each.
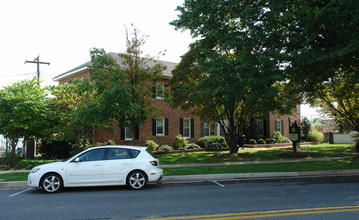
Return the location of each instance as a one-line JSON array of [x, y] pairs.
[[121, 146]]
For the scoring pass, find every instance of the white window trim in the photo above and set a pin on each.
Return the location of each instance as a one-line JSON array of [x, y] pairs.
[[162, 87], [126, 138], [163, 126], [189, 128]]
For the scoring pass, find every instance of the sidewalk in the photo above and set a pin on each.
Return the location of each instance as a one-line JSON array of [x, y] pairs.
[[226, 177]]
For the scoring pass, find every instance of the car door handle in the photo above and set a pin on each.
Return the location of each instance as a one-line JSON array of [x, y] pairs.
[[125, 163], [97, 165]]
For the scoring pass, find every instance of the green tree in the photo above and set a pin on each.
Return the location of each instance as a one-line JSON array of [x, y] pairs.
[[226, 76], [306, 128], [340, 99], [124, 90], [24, 110], [71, 116]]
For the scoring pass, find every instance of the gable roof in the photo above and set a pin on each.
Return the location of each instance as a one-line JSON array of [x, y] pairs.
[[118, 59]]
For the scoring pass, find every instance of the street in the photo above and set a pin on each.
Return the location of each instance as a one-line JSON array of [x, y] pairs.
[[297, 198]]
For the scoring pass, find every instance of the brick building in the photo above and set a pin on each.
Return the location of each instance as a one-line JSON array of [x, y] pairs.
[[164, 127]]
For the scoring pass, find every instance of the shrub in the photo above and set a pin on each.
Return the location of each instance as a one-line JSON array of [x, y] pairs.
[[180, 143], [193, 146], [209, 142], [164, 149], [269, 141], [151, 145], [316, 136], [252, 141], [261, 141], [278, 137]]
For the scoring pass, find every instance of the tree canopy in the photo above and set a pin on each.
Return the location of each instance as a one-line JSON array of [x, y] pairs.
[[24, 111], [225, 77], [124, 89]]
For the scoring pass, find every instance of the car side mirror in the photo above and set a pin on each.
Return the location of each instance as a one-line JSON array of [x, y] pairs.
[[77, 159]]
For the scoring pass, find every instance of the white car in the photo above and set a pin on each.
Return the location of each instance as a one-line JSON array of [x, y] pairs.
[[99, 166]]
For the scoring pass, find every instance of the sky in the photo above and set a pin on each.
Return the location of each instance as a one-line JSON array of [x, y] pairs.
[[62, 32]]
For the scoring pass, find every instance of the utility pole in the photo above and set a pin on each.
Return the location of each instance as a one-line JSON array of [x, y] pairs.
[[37, 61], [36, 141]]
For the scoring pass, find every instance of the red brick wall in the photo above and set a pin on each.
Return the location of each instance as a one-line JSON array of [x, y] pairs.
[[286, 118]]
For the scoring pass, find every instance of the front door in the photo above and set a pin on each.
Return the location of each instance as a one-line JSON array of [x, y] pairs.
[[86, 170]]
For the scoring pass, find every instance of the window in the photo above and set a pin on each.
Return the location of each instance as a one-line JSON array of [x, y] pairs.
[[187, 128], [128, 134], [160, 127], [279, 126], [92, 155], [160, 87], [117, 154], [206, 129]]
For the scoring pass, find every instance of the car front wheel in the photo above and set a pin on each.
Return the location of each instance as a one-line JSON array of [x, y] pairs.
[[51, 183], [137, 180]]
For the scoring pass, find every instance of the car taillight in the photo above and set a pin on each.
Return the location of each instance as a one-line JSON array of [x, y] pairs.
[[154, 163]]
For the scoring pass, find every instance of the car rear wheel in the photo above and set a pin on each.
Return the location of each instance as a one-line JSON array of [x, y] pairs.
[[137, 180], [51, 183]]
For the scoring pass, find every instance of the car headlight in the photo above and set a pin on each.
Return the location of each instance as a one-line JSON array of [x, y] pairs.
[[34, 170]]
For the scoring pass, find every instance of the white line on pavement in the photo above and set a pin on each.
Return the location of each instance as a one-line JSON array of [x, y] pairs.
[[18, 193], [218, 183]]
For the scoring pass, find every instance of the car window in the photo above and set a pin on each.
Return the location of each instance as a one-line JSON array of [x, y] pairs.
[[135, 153], [93, 155], [117, 154]]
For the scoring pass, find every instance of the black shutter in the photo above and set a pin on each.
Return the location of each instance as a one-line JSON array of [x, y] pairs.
[[192, 128], [137, 132], [166, 126], [154, 90], [282, 126], [202, 128], [154, 126], [181, 126], [122, 134]]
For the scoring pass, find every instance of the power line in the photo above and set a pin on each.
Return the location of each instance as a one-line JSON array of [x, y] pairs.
[[18, 75]]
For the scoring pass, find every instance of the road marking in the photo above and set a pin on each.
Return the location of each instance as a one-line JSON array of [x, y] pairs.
[[18, 193], [274, 213], [218, 183]]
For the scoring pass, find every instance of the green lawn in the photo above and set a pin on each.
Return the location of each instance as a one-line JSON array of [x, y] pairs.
[[18, 176], [253, 154], [259, 168]]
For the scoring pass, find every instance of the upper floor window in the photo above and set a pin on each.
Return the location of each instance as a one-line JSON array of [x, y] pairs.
[[160, 87]]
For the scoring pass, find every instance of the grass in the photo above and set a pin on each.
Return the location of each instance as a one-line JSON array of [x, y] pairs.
[[249, 154], [17, 176], [323, 150], [261, 168]]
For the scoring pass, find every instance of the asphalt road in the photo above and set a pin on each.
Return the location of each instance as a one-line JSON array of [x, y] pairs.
[[299, 198]]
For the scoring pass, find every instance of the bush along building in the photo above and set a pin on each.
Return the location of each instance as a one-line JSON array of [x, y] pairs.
[[169, 122]]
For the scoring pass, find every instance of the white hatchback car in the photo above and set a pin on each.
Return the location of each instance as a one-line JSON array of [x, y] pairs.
[[99, 166]]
